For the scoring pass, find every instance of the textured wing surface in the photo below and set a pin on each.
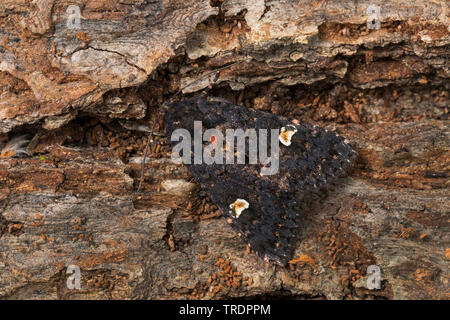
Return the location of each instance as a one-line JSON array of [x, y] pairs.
[[312, 162]]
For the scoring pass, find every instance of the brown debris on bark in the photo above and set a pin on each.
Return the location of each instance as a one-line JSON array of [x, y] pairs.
[[88, 96]]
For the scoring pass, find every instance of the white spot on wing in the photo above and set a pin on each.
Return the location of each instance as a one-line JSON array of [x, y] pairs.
[[286, 134], [239, 206]]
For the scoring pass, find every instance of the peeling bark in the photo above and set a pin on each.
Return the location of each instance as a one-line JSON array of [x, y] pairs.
[[80, 91]]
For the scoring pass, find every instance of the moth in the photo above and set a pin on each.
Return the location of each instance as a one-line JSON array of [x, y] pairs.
[[263, 209]]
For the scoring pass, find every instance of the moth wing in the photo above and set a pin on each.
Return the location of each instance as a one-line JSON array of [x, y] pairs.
[[269, 223], [314, 160]]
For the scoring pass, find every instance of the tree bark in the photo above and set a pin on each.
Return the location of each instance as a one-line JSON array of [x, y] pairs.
[[85, 95]]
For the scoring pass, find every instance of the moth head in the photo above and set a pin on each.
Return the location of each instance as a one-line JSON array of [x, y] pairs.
[[239, 206], [286, 134]]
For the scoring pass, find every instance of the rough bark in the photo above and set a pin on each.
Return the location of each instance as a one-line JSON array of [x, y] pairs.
[[74, 200]]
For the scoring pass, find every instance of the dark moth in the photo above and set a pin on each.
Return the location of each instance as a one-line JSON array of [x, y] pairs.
[[314, 160]]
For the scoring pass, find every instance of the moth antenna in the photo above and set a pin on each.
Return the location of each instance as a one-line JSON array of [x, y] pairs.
[[165, 106], [145, 153], [131, 125]]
